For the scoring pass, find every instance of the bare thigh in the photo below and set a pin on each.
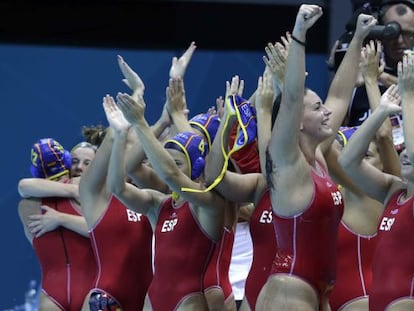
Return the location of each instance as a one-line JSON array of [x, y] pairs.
[[147, 304], [288, 293], [406, 304], [193, 302], [357, 305], [216, 302], [245, 305], [215, 298], [85, 306], [45, 304]]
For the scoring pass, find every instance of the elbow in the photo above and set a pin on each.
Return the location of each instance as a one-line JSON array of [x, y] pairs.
[[22, 188]]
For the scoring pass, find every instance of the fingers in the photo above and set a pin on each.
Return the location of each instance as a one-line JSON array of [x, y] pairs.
[[236, 87]]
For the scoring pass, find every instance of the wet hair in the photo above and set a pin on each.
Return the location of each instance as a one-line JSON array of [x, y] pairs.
[[94, 134], [278, 101]]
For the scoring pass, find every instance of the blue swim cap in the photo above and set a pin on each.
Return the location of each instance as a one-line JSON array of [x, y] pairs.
[[49, 159], [208, 124], [344, 134], [193, 147]]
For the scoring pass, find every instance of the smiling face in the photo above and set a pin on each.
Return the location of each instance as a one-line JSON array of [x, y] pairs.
[[394, 48], [315, 121], [81, 159], [180, 160], [406, 166]]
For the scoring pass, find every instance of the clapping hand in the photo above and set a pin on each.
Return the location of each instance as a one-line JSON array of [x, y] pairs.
[[131, 78], [179, 65], [391, 100], [114, 116], [133, 110]]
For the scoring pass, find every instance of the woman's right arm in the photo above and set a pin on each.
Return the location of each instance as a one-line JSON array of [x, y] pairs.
[[375, 183], [233, 186], [41, 188], [131, 196]]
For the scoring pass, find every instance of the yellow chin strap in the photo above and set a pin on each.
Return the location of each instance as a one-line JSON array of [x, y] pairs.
[[175, 196], [231, 111]]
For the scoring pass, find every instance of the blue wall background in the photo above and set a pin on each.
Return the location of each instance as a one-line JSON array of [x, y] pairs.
[[54, 91]]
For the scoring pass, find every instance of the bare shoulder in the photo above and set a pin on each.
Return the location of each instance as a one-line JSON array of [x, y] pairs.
[[292, 189]]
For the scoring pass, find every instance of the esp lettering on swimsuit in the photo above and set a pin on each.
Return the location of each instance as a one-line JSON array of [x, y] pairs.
[[336, 197], [386, 223], [133, 216], [168, 225], [266, 217]]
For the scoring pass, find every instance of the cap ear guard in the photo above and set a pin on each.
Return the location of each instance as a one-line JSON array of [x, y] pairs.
[[67, 160], [198, 168]]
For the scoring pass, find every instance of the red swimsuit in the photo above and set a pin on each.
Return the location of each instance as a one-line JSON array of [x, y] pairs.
[[393, 263], [354, 271], [307, 242], [66, 259], [264, 249], [122, 241], [182, 253]]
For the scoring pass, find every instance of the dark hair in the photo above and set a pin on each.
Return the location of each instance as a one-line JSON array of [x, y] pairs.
[[410, 3], [276, 106], [385, 5], [94, 134]]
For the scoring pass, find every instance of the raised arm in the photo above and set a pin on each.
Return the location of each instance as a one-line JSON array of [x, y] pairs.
[[287, 169], [343, 83], [406, 87], [265, 97], [131, 78], [233, 186], [93, 182], [177, 106], [371, 68], [285, 148], [161, 160], [134, 198], [266, 113], [375, 183], [142, 174], [176, 101], [179, 65]]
